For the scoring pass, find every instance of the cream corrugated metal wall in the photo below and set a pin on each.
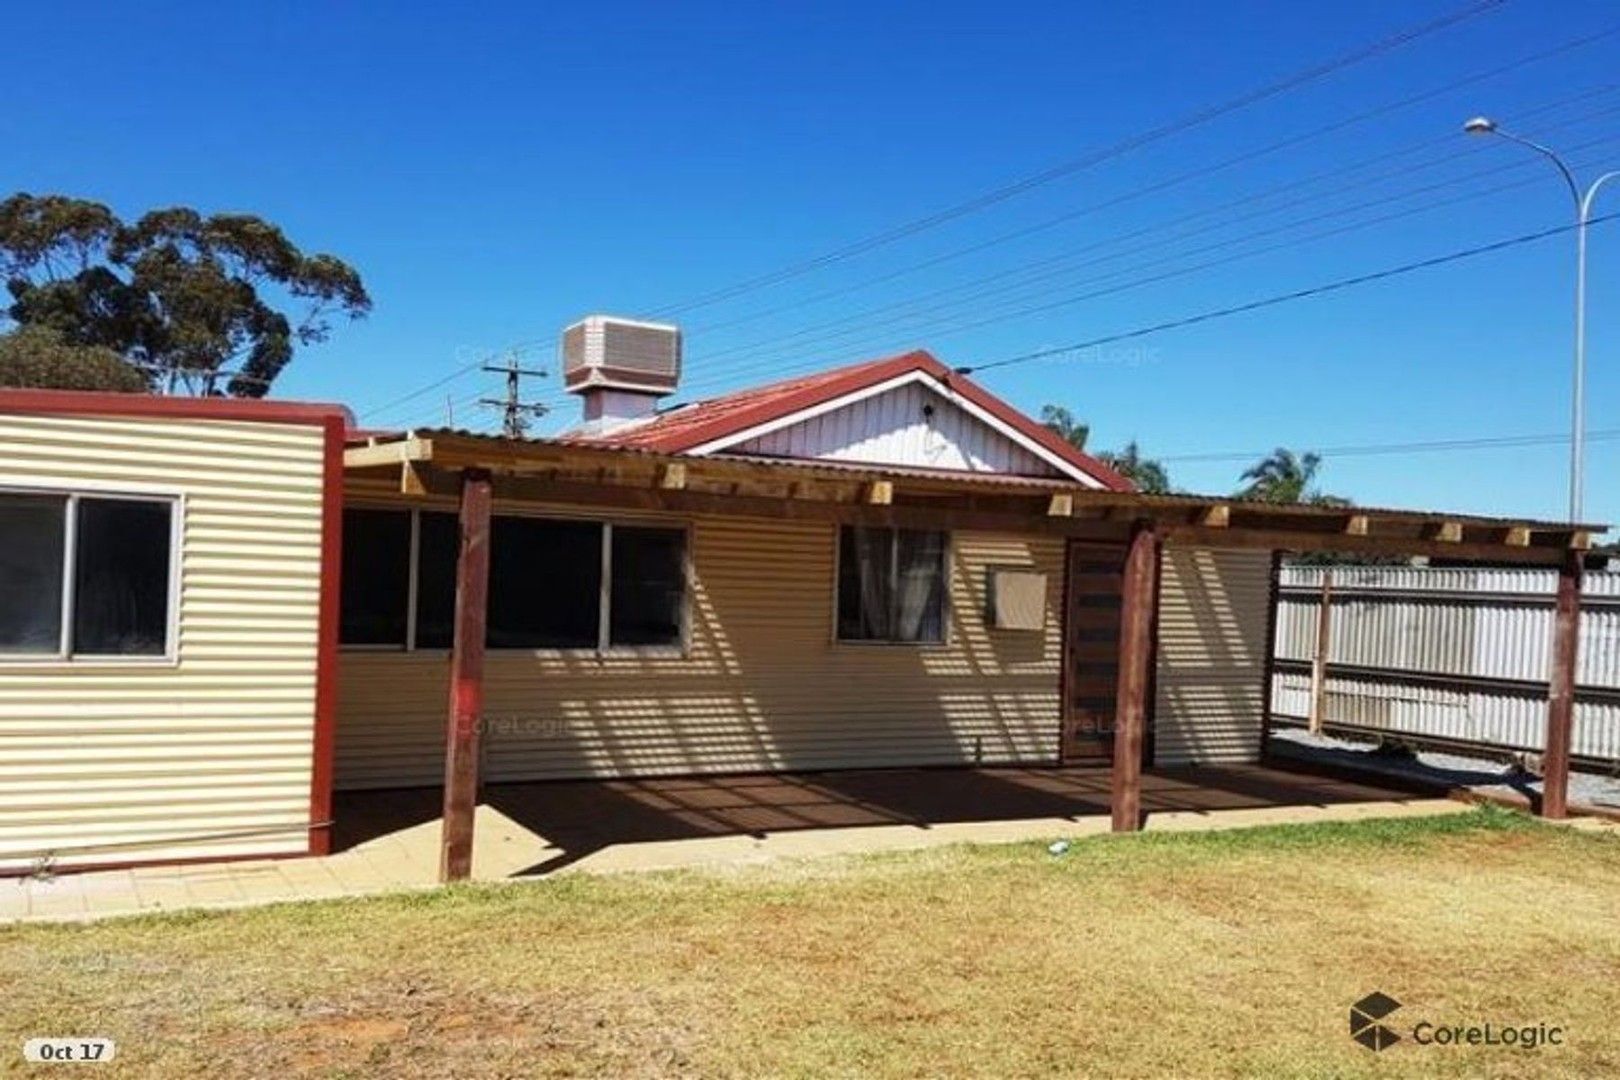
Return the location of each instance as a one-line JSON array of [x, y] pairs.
[[763, 687], [135, 757], [1214, 608]]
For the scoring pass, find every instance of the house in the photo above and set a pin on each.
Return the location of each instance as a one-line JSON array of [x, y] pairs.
[[216, 613]]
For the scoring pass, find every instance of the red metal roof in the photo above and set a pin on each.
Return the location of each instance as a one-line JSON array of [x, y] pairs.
[[684, 428]]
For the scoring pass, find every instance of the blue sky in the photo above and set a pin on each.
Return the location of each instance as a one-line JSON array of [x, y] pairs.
[[496, 172]]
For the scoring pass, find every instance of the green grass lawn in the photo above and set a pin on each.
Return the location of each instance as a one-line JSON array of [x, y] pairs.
[[1235, 953]]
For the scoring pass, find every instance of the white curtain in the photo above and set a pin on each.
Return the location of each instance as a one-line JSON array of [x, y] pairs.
[[919, 585]]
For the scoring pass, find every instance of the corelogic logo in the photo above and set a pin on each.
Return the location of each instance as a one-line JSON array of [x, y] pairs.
[[1368, 1029], [1364, 1021]]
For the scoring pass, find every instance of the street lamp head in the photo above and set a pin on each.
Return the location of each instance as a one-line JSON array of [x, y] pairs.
[[1480, 125]]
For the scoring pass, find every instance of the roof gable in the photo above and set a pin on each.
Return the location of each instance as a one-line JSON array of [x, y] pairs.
[[873, 413], [911, 423]]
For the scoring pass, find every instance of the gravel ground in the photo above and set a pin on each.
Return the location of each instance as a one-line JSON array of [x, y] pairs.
[[1483, 775]]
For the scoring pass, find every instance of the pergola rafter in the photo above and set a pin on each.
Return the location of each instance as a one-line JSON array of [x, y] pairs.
[[471, 471]]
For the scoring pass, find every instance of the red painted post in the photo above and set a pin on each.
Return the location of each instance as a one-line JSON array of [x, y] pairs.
[[1139, 600], [1561, 690], [466, 679]]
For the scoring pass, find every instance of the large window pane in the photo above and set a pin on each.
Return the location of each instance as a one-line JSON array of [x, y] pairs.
[[891, 584], [439, 547], [121, 577], [545, 584], [376, 573], [649, 586], [865, 583], [32, 529], [919, 586]]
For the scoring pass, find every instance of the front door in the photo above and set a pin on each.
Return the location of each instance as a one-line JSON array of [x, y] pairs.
[[1094, 577]]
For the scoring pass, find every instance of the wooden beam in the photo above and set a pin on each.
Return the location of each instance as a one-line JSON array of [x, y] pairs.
[[1283, 540], [466, 679], [657, 500], [1060, 505], [672, 477], [880, 493], [1139, 601], [1517, 536], [1449, 532], [1561, 690], [389, 453], [413, 478], [1357, 525], [1216, 517]]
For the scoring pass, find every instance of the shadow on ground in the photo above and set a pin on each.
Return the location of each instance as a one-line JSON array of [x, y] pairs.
[[579, 817]]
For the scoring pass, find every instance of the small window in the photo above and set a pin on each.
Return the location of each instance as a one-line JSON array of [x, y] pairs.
[[97, 567], [545, 584], [376, 565], [648, 589], [121, 578], [33, 534], [891, 585]]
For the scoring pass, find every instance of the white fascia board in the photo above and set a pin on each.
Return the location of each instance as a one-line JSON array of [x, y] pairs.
[[1067, 468]]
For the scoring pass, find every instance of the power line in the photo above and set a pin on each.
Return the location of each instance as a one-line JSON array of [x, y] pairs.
[[1316, 132], [464, 370], [1434, 445], [863, 322], [938, 330], [1057, 265], [1272, 301], [1319, 131], [389, 406], [1067, 168]]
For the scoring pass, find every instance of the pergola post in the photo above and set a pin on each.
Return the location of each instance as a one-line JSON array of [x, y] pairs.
[[1139, 600], [466, 679], [1561, 690]]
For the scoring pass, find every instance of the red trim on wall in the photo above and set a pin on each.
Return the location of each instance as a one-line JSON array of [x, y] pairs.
[[326, 661], [94, 402], [334, 421]]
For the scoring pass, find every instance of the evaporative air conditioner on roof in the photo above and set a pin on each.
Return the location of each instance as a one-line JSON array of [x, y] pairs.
[[604, 351]]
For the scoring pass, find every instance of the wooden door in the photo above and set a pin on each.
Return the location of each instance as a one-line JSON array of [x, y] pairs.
[[1093, 579]]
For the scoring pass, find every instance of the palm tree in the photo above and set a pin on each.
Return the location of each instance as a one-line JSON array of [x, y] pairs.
[[1069, 429], [1148, 474], [1286, 477]]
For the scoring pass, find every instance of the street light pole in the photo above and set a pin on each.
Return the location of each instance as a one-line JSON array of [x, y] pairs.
[[1481, 125]]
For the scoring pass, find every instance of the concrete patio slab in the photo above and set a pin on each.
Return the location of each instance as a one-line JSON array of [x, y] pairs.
[[895, 810]]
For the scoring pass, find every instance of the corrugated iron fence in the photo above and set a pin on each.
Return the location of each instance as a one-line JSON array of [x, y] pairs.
[[1453, 656]]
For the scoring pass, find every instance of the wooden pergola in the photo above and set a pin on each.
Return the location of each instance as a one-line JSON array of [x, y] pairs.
[[476, 469]]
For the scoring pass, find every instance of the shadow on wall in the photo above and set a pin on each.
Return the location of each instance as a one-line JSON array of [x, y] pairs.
[[764, 686], [1211, 675]]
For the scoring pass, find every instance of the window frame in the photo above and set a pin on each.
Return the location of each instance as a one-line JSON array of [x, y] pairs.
[[64, 654], [604, 648], [947, 615]]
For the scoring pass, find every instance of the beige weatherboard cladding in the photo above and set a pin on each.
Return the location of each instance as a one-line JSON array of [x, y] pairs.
[[762, 685], [208, 752], [1213, 618]]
